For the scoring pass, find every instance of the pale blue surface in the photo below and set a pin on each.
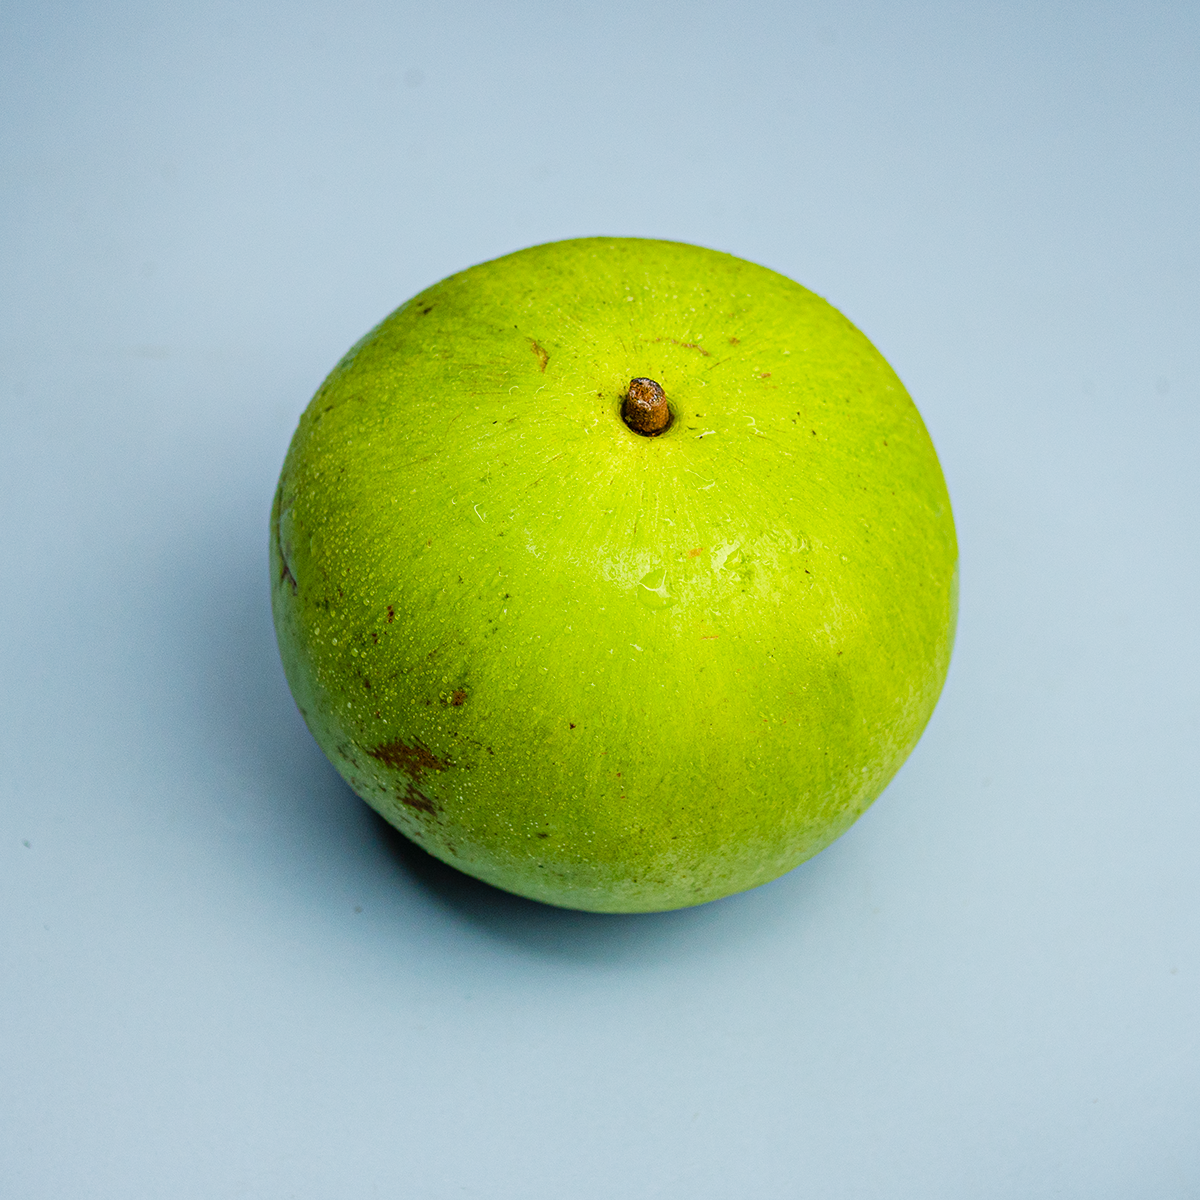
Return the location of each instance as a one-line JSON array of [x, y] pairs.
[[989, 988]]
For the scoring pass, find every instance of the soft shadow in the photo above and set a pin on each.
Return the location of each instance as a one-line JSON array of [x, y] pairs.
[[560, 931]]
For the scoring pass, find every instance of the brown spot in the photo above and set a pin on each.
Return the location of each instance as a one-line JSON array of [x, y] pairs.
[[391, 614], [413, 760], [457, 697], [765, 375], [543, 835], [696, 552], [417, 800], [734, 341], [344, 749], [286, 576], [572, 724], [686, 345], [542, 357]]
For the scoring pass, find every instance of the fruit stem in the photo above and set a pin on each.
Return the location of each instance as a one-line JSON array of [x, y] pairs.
[[645, 410]]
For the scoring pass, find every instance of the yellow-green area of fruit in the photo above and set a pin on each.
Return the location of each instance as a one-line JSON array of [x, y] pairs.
[[607, 671]]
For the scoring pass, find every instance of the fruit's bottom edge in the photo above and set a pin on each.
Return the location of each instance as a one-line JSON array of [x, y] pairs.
[[575, 898]]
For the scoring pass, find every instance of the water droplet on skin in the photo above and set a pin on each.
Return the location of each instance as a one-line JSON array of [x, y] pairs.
[[652, 590]]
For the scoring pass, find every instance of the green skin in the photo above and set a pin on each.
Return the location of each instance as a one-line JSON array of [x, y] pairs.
[[608, 671]]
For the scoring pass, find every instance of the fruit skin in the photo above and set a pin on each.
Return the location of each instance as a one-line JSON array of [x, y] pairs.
[[606, 671]]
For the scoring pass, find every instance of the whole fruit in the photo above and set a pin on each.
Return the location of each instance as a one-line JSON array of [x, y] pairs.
[[618, 573]]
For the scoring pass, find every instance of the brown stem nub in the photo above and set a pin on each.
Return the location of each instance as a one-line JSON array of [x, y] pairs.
[[645, 409]]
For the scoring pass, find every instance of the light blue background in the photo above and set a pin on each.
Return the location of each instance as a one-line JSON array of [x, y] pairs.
[[221, 976]]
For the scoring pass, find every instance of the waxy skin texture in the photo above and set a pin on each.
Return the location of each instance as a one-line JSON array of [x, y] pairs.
[[606, 670]]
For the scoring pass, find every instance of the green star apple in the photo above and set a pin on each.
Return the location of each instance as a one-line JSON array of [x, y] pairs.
[[618, 573]]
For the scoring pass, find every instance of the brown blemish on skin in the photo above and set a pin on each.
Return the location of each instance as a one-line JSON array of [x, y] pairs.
[[391, 614], [417, 800], [686, 345], [286, 574], [734, 341], [457, 697], [645, 410], [696, 552], [542, 357], [344, 750], [413, 760]]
